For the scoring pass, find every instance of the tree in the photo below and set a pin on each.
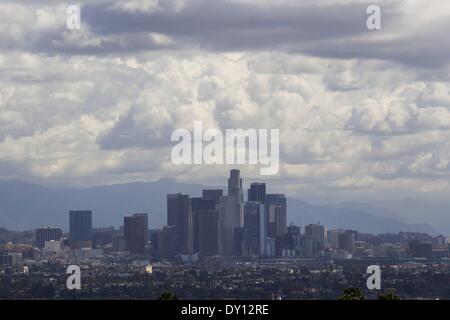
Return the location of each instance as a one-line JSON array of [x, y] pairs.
[[389, 295], [352, 294], [168, 296]]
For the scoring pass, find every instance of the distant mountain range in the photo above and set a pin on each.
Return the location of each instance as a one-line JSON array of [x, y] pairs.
[[25, 206]]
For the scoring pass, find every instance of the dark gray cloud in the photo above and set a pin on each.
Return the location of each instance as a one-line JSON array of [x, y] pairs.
[[331, 31], [411, 34], [227, 25]]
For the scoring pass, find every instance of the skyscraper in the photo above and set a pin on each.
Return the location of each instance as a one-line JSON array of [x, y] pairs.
[[293, 237], [199, 205], [135, 230], [257, 192], [47, 234], [346, 241], [179, 216], [80, 229], [276, 214], [333, 238], [316, 232], [102, 236], [208, 233], [212, 194], [235, 185], [254, 236], [231, 214], [168, 242]]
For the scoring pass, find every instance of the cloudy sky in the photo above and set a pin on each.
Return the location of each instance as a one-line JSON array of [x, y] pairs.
[[362, 114]]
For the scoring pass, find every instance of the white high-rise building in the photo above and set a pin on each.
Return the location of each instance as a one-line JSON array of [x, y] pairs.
[[231, 215]]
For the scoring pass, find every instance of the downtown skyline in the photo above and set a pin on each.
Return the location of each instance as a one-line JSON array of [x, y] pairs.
[[227, 225], [28, 206]]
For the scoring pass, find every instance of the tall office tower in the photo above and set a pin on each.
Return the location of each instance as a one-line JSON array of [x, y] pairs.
[[235, 185], [333, 238], [179, 216], [208, 233], [80, 229], [293, 237], [257, 192], [47, 234], [199, 205], [316, 232], [102, 236], [213, 194], [308, 247], [254, 233], [231, 215], [276, 214], [153, 238], [168, 241], [144, 219], [135, 230], [119, 243], [346, 241], [237, 241]]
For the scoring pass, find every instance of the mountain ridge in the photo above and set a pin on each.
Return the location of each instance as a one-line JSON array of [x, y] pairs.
[[25, 206]]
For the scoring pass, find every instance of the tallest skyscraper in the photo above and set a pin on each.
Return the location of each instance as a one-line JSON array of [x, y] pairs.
[[231, 215], [235, 185]]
